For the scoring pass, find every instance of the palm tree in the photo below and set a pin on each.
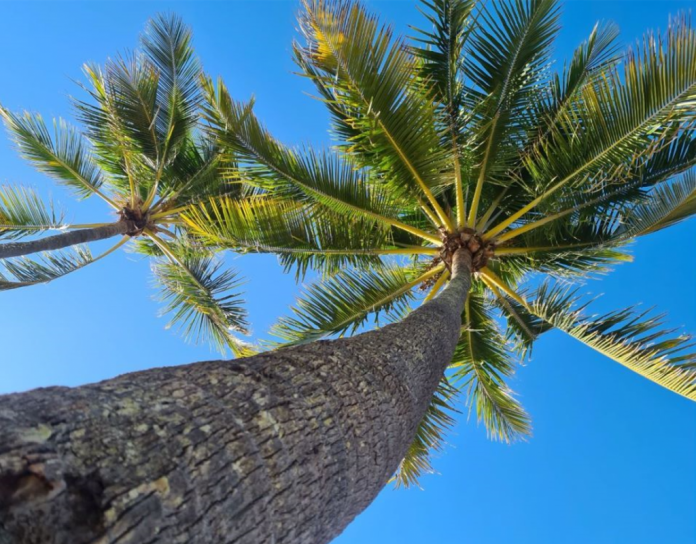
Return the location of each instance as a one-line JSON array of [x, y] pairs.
[[464, 167], [464, 139], [141, 153]]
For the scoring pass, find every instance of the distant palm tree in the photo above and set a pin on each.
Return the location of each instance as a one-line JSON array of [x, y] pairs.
[[465, 140], [141, 154], [465, 157]]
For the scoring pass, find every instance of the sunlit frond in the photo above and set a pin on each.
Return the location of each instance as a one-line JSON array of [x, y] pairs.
[[314, 178], [23, 213], [202, 298], [623, 120], [301, 240], [344, 302], [441, 54], [25, 271], [365, 78], [509, 52], [430, 437], [65, 155], [167, 45], [481, 363], [634, 339]]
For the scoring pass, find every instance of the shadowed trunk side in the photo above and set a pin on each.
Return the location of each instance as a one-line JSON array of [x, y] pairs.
[[66, 239], [282, 447]]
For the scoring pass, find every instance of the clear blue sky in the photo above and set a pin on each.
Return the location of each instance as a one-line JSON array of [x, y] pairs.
[[612, 457]]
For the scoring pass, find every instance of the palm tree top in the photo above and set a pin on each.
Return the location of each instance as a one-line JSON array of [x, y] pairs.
[[463, 136], [140, 150]]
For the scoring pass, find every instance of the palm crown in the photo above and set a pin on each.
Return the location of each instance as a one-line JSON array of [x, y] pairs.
[[464, 137], [140, 152]]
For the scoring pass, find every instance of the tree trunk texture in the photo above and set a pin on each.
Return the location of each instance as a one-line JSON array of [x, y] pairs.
[[282, 447], [66, 239]]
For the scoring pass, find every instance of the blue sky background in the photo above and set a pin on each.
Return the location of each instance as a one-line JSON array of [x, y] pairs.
[[612, 457]]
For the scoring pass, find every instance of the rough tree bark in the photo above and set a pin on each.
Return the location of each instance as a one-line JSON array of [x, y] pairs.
[[66, 239], [282, 447]]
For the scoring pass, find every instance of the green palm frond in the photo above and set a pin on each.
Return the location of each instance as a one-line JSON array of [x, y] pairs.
[[132, 85], [202, 169], [265, 224], [634, 339], [167, 44], [523, 327], [344, 302], [143, 108], [620, 122], [365, 78], [588, 65], [202, 298], [24, 271], [23, 213], [577, 259], [430, 437], [314, 178], [507, 64], [441, 49], [481, 363], [668, 204], [65, 156], [115, 121]]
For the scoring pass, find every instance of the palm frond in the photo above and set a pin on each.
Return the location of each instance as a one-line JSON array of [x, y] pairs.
[[633, 339], [25, 271], [668, 204], [481, 364], [366, 77], [302, 240], [344, 302], [202, 169], [589, 64], [441, 51], [23, 213], [314, 178], [523, 327], [618, 124], [118, 120], [65, 156], [202, 298], [507, 62], [430, 437], [167, 45]]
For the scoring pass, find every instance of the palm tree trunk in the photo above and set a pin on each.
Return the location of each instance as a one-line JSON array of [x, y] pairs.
[[66, 239], [282, 447]]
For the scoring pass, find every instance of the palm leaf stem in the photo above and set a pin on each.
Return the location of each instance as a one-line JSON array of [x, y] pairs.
[[471, 222], [500, 251], [459, 187], [492, 277], [438, 285], [509, 307], [427, 211], [485, 218], [529, 207]]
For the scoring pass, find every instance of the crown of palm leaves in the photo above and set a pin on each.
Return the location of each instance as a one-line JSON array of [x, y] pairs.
[[464, 136], [140, 150]]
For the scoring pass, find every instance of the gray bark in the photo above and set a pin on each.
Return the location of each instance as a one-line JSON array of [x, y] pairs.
[[66, 239], [282, 447]]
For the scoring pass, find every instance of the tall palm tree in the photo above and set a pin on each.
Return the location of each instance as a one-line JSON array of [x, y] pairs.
[[140, 152], [463, 139], [463, 166]]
